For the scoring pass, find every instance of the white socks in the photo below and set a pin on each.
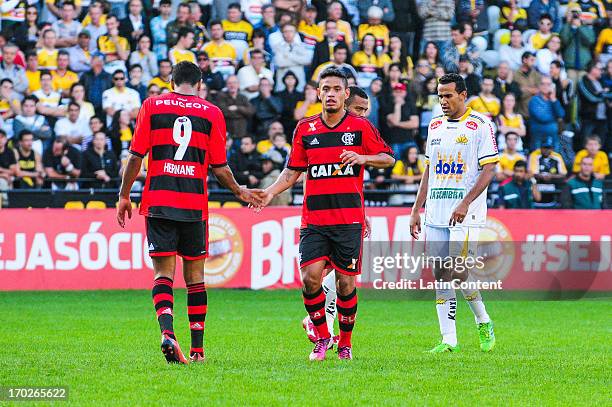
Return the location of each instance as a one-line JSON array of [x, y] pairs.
[[329, 287], [446, 306], [474, 300]]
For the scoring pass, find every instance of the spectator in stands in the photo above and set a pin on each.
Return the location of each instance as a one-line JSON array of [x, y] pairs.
[[62, 162], [521, 191], [375, 26], [539, 39], [77, 95], [564, 88], [268, 23], [508, 121], [267, 143], [158, 29], [504, 82], [47, 53], [134, 26], [164, 77], [290, 55], [12, 71], [29, 171], [513, 16], [401, 119], [116, 49], [8, 167], [485, 102], [259, 43], [475, 13], [222, 54], [246, 164], [386, 6], [577, 39], [603, 48], [79, 54], [308, 29], [121, 133], [250, 75], [236, 108], [551, 52], [513, 53], [96, 81], [437, 16], [584, 191], [323, 49], [340, 57], [96, 125], [136, 81], [213, 80], [270, 172], [199, 29], [27, 33], [374, 94], [427, 100], [398, 54], [290, 97], [549, 170], [538, 8], [528, 80], [600, 165], [422, 72], [34, 123], [268, 108], [72, 127], [311, 105], [120, 97], [182, 21], [457, 47], [466, 70], [182, 49], [32, 72], [393, 78], [408, 170], [146, 58], [368, 63], [334, 12], [593, 103], [67, 28], [509, 157], [10, 104], [63, 78], [237, 31], [544, 113], [100, 163], [96, 27]]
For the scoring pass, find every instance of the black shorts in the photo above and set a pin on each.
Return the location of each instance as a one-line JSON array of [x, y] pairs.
[[169, 237], [340, 245]]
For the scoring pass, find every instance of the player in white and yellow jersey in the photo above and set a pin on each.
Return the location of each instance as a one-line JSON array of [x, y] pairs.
[[461, 155]]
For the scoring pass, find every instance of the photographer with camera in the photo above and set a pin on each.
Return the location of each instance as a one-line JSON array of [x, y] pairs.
[[578, 40]]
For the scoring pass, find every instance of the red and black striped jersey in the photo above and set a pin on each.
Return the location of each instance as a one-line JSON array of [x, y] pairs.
[[333, 191], [182, 135]]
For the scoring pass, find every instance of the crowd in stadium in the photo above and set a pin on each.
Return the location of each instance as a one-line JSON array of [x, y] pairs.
[[73, 75]]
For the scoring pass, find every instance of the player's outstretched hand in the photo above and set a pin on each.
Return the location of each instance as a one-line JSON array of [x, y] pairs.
[[251, 196], [458, 214], [265, 199], [352, 158], [125, 205], [415, 225]]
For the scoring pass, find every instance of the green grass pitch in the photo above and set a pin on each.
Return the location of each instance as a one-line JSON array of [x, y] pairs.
[[105, 347]]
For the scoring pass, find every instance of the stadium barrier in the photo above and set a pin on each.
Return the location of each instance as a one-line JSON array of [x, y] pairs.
[[55, 249]]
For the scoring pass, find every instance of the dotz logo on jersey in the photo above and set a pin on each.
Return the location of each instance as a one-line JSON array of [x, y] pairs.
[[462, 139], [472, 125], [348, 139], [333, 170], [434, 125], [225, 250], [449, 168]]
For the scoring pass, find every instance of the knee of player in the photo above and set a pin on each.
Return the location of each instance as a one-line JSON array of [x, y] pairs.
[[311, 281]]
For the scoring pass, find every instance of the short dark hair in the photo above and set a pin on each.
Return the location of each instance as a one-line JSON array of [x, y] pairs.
[[526, 55], [258, 32], [116, 71], [135, 66], [557, 63], [164, 60], [255, 51], [333, 72], [183, 32], [520, 164], [33, 98], [453, 78], [234, 5], [2, 133], [63, 52], [69, 3], [215, 22], [6, 80], [162, 2], [545, 16], [73, 103], [24, 133], [341, 45], [44, 73], [458, 27], [356, 91], [184, 5], [592, 64], [186, 72]]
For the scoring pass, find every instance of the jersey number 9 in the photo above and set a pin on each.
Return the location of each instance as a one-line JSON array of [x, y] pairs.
[[181, 133]]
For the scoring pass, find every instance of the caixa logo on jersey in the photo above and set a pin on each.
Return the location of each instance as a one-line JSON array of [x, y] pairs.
[[333, 170], [471, 125], [348, 139]]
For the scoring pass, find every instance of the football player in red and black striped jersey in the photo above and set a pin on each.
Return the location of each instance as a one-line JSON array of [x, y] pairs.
[[333, 148], [182, 134]]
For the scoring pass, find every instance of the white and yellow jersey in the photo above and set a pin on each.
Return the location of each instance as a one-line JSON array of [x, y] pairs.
[[456, 150]]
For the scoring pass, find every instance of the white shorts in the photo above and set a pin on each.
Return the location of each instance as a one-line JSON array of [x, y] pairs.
[[457, 241]]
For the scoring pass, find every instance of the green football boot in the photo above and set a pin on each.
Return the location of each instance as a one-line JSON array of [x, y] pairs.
[[486, 336], [444, 347]]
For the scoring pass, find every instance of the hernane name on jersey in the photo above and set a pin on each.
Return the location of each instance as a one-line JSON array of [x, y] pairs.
[[456, 150]]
